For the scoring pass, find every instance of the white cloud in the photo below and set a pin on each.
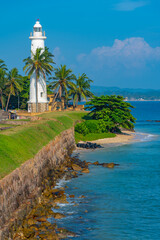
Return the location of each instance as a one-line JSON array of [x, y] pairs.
[[129, 5], [131, 53]]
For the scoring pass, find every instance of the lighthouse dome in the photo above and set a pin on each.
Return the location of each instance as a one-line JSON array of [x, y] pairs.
[[37, 24], [37, 27]]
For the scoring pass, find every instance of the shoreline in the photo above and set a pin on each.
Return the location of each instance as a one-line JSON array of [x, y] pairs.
[[124, 137]]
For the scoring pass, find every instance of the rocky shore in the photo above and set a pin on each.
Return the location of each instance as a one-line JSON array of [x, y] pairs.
[[88, 145], [37, 225]]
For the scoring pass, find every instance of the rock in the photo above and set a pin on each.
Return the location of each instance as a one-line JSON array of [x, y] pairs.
[[76, 167], [82, 196], [61, 199], [105, 165], [29, 233], [41, 219], [89, 163], [74, 174], [71, 196], [89, 145], [59, 215], [31, 222], [86, 170], [108, 165], [96, 163], [57, 207], [64, 233]]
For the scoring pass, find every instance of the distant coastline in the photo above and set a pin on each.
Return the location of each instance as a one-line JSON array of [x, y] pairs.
[[130, 94], [137, 100]]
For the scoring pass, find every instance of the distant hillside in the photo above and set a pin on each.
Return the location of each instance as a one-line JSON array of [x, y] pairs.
[[130, 94]]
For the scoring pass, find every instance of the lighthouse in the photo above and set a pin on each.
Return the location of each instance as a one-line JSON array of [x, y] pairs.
[[37, 41]]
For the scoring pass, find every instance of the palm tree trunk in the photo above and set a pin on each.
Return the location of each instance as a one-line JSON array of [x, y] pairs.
[[60, 95], [36, 92], [54, 99], [76, 102], [8, 101], [2, 100]]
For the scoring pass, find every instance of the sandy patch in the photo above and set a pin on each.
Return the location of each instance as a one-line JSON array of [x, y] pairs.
[[124, 137]]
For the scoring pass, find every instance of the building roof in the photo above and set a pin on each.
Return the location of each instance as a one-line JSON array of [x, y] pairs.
[[37, 25]]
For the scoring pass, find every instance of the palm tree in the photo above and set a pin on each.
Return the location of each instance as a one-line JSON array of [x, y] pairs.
[[2, 86], [12, 84], [2, 65], [81, 89], [62, 81], [40, 63]]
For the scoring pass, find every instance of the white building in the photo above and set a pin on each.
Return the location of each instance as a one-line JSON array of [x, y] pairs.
[[37, 41]]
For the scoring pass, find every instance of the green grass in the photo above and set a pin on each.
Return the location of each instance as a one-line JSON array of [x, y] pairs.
[[5, 125], [21, 143], [92, 136]]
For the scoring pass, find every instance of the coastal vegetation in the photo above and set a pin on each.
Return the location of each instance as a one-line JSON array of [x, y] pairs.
[[62, 83], [107, 115], [81, 89], [63, 80], [12, 84]]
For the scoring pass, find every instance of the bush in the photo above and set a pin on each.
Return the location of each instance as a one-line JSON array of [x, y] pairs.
[[91, 126], [81, 128], [102, 127]]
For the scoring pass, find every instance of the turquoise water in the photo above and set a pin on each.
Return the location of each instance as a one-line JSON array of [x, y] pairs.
[[121, 203]]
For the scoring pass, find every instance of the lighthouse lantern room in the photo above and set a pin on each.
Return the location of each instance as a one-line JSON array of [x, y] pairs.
[[37, 41]]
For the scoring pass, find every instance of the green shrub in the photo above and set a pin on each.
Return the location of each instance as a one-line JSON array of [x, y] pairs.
[[81, 128], [102, 127], [91, 126]]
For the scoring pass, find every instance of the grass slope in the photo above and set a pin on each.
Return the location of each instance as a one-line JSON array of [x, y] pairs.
[[21, 143]]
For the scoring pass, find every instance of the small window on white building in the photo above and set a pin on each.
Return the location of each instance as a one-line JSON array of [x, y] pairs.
[[37, 29], [41, 94]]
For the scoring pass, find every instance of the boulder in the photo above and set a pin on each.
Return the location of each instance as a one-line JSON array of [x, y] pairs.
[[59, 215], [86, 170], [96, 163], [108, 165], [88, 145], [42, 219], [76, 167]]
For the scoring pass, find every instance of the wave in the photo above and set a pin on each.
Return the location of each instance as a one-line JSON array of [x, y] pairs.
[[144, 137], [61, 183]]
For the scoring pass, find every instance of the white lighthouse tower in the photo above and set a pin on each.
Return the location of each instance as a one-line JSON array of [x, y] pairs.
[[37, 41]]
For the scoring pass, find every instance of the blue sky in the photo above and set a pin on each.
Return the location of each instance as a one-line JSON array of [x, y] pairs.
[[115, 42]]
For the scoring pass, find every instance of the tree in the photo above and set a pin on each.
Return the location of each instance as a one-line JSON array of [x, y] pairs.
[[62, 82], [2, 86], [12, 84], [113, 110], [24, 94], [2, 65], [40, 63], [81, 89]]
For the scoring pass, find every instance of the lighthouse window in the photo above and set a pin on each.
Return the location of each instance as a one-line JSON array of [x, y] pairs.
[[36, 29], [41, 94]]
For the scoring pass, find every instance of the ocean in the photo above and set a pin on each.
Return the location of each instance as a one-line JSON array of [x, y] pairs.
[[121, 203]]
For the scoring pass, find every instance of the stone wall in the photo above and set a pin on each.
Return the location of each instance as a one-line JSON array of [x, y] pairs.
[[42, 107], [26, 181]]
